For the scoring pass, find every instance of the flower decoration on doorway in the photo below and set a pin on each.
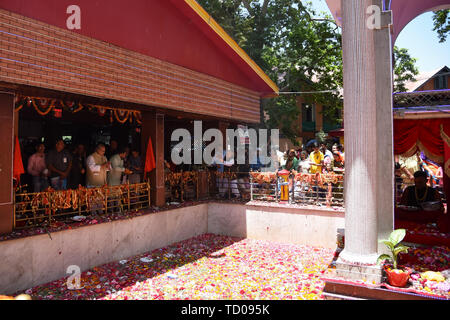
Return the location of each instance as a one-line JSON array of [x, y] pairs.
[[44, 106]]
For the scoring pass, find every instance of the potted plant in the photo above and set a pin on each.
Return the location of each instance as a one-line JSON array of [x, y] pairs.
[[397, 276]]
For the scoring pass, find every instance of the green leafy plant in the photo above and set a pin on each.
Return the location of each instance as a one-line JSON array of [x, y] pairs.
[[393, 244]]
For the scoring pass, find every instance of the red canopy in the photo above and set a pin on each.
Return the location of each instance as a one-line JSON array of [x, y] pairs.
[[427, 135], [336, 133]]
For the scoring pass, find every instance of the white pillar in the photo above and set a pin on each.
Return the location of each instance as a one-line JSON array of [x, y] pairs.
[[368, 130]]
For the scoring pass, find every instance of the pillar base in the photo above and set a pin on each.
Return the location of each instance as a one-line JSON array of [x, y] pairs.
[[353, 271]]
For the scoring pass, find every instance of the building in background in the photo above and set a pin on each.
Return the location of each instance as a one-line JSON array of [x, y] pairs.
[[435, 80]]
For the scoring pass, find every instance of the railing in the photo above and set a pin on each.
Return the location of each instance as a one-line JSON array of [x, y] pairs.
[[201, 185], [298, 188], [43, 208], [182, 186], [229, 185], [40, 209]]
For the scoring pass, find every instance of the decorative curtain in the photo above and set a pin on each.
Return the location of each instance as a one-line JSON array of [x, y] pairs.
[[411, 136]]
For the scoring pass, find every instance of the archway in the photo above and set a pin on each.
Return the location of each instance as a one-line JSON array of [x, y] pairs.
[[404, 14]]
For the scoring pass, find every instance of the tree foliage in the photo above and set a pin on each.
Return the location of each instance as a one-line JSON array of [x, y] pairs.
[[441, 21], [405, 69], [299, 51]]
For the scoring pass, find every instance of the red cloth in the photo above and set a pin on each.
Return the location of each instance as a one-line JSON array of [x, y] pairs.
[[418, 233], [18, 169], [411, 136], [150, 163], [419, 216]]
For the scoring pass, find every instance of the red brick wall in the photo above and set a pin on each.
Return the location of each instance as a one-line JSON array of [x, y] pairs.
[[37, 54], [429, 85]]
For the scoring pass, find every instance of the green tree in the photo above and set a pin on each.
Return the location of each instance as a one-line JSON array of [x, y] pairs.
[[299, 50], [405, 69], [441, 21]]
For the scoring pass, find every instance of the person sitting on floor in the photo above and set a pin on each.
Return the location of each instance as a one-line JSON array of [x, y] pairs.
[[420, 193]]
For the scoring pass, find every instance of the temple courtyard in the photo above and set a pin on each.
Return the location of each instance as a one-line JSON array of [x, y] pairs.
[[213, 267]]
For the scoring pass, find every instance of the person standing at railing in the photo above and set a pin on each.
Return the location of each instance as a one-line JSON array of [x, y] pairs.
[[97, 168], [77, 175], [136, 166], [114, 177], [325, 151], [304, 163], [316, 159], [291, 161], [112, 150], [338, 160], [37, 168], [59, 164], [223, 163], [118, 168], [302, 187]]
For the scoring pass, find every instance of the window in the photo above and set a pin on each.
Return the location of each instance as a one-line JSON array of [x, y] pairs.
[[308, 112], [440, 82], [309, 117]]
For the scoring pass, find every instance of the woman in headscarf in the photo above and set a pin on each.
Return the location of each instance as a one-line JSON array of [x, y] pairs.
[[291, 161]]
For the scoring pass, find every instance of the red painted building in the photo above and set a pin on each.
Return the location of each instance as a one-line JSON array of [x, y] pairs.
[[166, 59]]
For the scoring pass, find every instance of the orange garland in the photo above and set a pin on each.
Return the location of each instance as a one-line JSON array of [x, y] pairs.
[[121, 115]]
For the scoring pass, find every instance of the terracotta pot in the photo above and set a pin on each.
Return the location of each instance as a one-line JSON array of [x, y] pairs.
[[398, 279]]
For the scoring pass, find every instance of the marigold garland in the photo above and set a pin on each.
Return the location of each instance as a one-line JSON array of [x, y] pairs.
[[44, 106], [121, 120], [50, 106]]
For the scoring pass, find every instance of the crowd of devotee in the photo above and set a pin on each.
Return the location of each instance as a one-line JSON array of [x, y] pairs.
[[316, 158], [63, 168], [417, 178]]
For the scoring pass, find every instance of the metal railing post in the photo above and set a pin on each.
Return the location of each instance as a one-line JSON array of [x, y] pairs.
[[276, 187], [129, 197], [251, 186], [292, 177], [14, 208], [106, 200], [149, 193]]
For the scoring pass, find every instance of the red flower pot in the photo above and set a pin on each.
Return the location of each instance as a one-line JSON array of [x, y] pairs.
[[398, 277]]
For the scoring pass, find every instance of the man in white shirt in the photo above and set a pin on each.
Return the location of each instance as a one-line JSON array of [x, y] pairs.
[[97, 168]]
